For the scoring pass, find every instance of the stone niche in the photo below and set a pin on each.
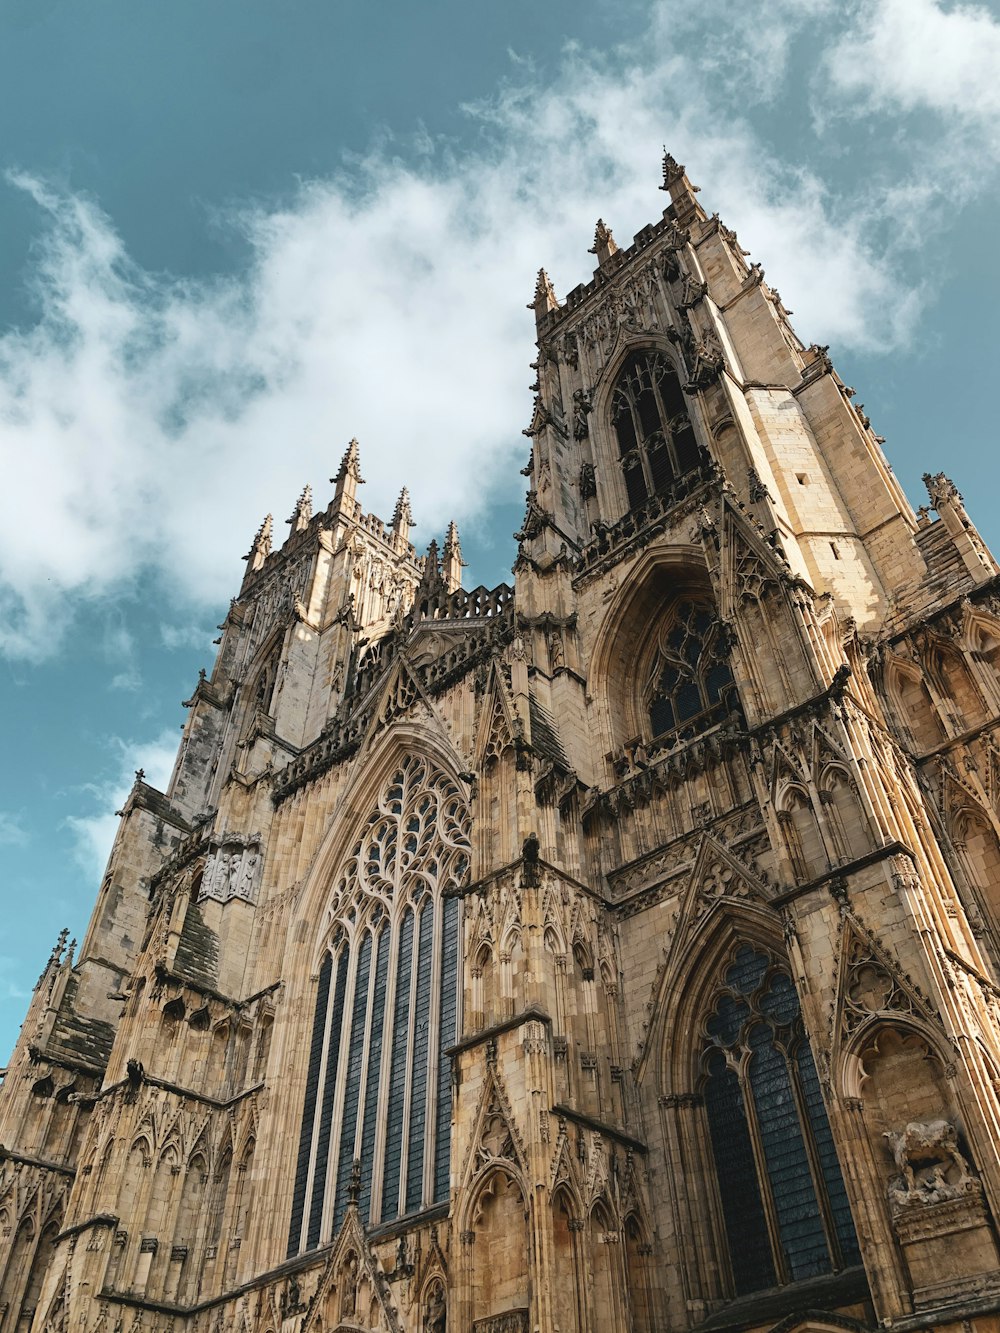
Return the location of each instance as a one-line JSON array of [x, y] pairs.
[[936, 1202], [232, 868]]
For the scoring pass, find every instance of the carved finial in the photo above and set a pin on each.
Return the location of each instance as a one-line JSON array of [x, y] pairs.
[[350, 466], [354, 1188], [261, 547], [302, 512], [545, 295], [604, 243], [672, 170], [940, 489], [402, 514], [452, 564]]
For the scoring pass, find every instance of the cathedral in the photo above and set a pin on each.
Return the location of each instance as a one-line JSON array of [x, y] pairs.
[[615, 951]]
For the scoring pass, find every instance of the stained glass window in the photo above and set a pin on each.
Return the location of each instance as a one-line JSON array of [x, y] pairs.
[[393, 985], [690, 683], [649, 415], [783, 1200]]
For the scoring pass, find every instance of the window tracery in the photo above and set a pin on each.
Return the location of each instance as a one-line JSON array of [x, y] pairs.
[[388, 983], [656, 442], [689, 684], [783, 1199]]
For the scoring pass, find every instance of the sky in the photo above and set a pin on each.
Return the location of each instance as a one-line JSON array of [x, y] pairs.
[[235, 235]]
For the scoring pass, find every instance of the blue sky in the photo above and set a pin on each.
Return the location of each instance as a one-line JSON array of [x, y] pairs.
[[235, 235]]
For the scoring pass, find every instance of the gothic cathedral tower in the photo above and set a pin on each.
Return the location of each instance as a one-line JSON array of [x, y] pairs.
[[619, 951]]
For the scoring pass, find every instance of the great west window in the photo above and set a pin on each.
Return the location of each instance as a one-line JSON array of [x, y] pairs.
[[656, 443], [377, 1088]]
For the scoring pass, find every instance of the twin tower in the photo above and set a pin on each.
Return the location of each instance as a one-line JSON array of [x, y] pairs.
[[614, 951]]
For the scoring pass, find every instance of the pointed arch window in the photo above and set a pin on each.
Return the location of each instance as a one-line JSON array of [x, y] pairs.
[[782, 1194], [656, 443], [376, 1122], [689, 682]]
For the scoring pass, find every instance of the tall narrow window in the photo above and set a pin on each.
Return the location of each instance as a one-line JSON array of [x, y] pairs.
[[783, 1200], [388, 992], [689, 682], [656, 443]]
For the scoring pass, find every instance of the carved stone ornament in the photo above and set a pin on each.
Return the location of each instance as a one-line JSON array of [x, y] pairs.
[[232, 869], [931, 1167], [511, 1321]]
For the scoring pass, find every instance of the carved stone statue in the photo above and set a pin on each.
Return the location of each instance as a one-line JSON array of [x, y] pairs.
[[931, 1166], [436, 1313], [349, 1298]]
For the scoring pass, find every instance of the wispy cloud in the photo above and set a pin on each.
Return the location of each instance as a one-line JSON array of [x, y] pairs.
[[12, 830], [94, 829], [160, 419]]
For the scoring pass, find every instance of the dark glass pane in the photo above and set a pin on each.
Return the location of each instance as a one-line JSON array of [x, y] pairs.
[[716, 680], [374, 1068], [660, 467], [309, 1108], [800, 1224], [686, 449], [780, 1001], [747, 971], [649, 413], [448, 1034], [674, 401], [729, 1017], [742, 1209], [418, 1096], [661, 716], [688, 701], [397, 1074], [635, 485], [352, 1083], [621, 415], [843, 1223], [326, 1110]]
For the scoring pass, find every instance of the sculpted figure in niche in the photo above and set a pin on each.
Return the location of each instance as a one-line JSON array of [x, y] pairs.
[[349, 1299], [436, 1313], [931, 1166]]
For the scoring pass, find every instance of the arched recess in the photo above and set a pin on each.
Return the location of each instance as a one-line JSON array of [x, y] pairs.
[[567, 1261], [978, 846], [744, 1118], [19, 1264], [386, 1006], [801, 833], [844, 815], [500, 1280], [638, 1267], [645, 428], [661, 650], [946, 664], [913, 705], [982, 636], [187, 1230], [607, 1304]]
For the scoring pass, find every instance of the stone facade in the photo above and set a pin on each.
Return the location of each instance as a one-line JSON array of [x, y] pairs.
[[619, 950]]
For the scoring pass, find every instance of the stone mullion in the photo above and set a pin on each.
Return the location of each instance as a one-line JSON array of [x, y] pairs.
[[763, 1175], [818, 1179], [366, 1045]]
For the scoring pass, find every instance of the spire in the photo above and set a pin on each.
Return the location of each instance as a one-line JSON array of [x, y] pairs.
[[348, 477], [452, 564], [302, 512], [545, 298], [682, 192], [604, 243], [402, 517], [261, 547]]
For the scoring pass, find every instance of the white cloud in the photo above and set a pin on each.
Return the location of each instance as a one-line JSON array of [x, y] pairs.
[[94, 830], [156, 421], [187, 636], [12, 831], [914, 55]]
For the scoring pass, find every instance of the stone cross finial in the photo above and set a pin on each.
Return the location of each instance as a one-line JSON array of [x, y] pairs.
[[348, 478]]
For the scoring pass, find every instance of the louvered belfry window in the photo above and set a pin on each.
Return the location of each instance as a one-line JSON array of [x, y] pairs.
[[782, 1194], [649, 415], [378, 1080]]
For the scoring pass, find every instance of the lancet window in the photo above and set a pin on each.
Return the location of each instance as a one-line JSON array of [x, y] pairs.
[[689, 683], [656, 443], [376, 1122], [783, 1200]]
